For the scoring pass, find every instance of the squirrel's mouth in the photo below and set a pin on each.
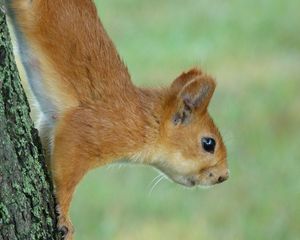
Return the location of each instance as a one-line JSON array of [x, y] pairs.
[[205, 179], [187, 181], [193, 181]]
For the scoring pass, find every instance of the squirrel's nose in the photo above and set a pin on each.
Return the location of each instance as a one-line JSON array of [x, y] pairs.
[[223, 178]]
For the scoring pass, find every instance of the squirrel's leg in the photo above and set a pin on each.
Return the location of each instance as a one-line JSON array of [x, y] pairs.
[[69, 163]]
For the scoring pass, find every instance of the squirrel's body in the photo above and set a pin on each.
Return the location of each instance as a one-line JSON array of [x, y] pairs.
[[92, 114], [79, 61]]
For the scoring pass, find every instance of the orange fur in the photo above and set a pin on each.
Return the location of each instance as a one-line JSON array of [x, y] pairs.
[[101, 116]]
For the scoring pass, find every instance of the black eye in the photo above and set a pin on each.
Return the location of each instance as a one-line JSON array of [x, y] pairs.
[[208, 144]]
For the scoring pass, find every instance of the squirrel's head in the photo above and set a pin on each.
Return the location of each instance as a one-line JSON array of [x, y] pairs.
[[192, 151]]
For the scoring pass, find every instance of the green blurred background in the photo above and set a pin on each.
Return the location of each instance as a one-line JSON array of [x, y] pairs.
[[253, 50]]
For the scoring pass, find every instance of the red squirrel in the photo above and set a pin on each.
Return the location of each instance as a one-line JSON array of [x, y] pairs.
[[91, 112]]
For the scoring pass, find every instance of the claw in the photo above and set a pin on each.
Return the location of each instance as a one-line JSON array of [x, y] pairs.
[[65, 228], [64, 231]]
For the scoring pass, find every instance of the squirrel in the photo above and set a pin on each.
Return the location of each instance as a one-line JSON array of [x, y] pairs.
[[91, 112]]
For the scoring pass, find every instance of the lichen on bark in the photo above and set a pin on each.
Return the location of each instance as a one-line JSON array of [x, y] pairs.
[[27, 204]]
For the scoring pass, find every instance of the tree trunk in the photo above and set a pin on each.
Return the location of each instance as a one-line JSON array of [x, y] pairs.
[[27, 204]]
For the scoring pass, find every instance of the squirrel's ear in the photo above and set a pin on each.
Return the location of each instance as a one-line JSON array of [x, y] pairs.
[[184, 78], [194, 96]]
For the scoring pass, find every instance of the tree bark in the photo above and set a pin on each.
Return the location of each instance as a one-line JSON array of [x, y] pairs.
[[27, 204]]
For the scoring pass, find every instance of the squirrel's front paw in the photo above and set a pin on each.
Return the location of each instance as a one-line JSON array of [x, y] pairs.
[[65, 227]]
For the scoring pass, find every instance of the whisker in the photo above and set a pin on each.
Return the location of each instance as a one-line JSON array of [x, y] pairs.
[[156, 182], [154, 179]]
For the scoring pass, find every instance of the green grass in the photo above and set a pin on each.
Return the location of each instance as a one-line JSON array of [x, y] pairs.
[[253, 49]]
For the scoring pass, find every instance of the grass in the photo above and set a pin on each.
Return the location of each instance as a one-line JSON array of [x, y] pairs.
[[252, 47]]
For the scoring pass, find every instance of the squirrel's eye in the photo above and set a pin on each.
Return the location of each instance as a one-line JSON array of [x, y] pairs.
[[208, 144]]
